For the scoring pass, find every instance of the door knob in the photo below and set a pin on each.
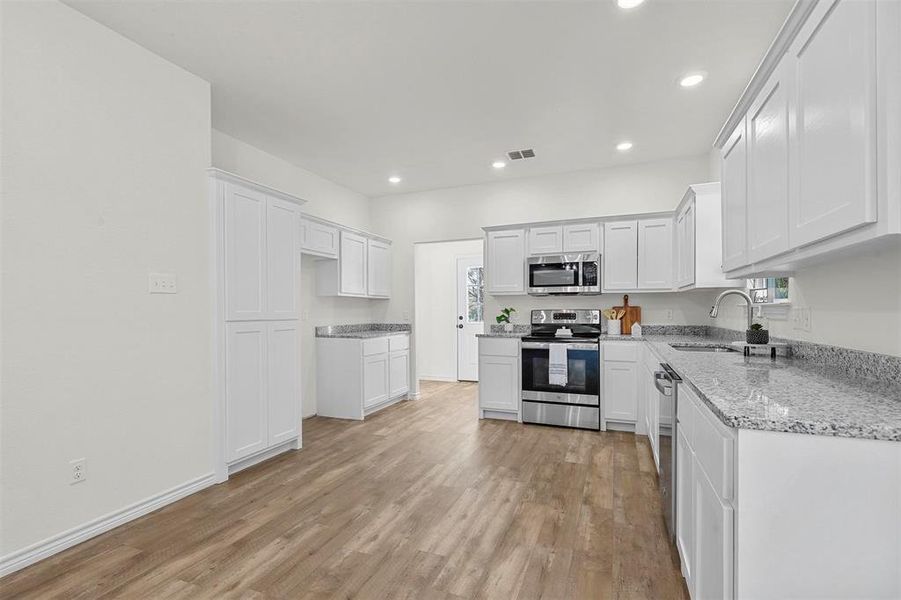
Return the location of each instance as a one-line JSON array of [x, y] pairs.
[[460, 318]]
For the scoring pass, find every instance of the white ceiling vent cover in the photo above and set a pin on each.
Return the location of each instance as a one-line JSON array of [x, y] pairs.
[[520, 154]]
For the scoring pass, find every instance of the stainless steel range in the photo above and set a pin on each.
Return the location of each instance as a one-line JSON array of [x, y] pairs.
[[561, 370]]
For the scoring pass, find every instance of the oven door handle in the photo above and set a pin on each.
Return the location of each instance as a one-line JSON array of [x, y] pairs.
[[659, 378], [547, 345]]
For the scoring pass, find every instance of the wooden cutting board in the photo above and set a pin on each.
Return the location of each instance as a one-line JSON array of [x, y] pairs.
[[632, 316]]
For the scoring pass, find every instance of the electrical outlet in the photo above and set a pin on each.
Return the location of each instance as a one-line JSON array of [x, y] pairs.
[[78, 471], [304, 315], [406, 316], [163, 283], [801, 319], [669, 315]]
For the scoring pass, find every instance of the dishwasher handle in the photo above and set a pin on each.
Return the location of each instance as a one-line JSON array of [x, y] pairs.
[[664, 388]]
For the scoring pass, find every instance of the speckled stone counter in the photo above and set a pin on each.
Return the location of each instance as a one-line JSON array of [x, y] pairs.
[[362, 330], [787, 395]]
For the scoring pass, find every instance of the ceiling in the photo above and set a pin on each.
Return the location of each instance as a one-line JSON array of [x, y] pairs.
[[435, 91]]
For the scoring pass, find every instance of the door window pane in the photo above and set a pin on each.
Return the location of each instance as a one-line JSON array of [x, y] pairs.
[[474, 295]]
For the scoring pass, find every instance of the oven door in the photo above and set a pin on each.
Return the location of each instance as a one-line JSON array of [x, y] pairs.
[[583, 377], [554, 275]]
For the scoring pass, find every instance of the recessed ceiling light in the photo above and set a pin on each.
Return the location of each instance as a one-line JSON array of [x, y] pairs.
[[628, 3], [394, 179], [498, 164], [691, 80], [624, 146]]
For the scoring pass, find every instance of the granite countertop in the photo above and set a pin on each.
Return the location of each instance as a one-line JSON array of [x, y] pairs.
[[786, 395], [361, 331]]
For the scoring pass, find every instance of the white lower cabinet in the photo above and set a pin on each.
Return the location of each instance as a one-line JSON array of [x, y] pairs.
[[499, 377], [620, 382], [262, 395], [713, 549], [685, 534], [356, 377]]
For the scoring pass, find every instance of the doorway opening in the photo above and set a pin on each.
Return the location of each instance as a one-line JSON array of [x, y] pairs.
[[448, 299]]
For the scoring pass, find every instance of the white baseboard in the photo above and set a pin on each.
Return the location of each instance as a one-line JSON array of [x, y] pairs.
[[255, 459], [437, 378], [31, 554]]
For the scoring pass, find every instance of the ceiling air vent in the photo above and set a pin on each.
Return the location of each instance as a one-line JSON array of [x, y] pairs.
[[519, 154]]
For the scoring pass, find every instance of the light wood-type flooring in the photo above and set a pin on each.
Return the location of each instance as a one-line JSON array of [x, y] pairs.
[[420, 501]]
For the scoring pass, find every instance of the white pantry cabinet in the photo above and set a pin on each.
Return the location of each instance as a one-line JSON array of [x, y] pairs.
[[363, 268], [620, 382], [262, 391], [499, 378], [506, 254], [655, 254], [546, 240], [318, 238], [356, 377], [621, 255]]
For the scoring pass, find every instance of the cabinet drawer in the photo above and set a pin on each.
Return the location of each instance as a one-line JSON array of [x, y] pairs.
[[375, 346], [714, 445], [621, 351], [499, 346], [398, 342]]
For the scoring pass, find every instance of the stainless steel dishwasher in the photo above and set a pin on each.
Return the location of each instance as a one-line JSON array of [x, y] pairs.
[[667, 383]]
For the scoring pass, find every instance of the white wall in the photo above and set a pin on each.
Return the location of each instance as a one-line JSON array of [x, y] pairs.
[[436, 305], [324, 199], [105, 148], [459, 213]]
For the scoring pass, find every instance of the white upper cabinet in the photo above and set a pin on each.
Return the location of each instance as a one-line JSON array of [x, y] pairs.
[[379, 269], [655, 254], [281, 259], [353, 268], [698, 249], [506, 262], [245, 254], [734, 172], [833, 132], [318, 239], [685, 245], [581, 237], [767, 205], [621, 255], [546, 240]]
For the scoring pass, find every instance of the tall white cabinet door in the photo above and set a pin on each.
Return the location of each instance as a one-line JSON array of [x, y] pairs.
[[621, 255], [245, 254], [379, 265], [399, 373], [375, 379], [621, 391], [283, 382], [506, 262], [833, 134], [353, 264], [282, 225], [768, 167], [685, 508], [685, 246], [581, 237], [655, 254], [245, 389], [734, 172], [713, 539], [546, 240]]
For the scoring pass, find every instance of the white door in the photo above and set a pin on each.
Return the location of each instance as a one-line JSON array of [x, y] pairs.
[[379, 266], [470, 320], [399, 373], [581, 237], [375, 379], [734, 174], [621, 255], [284, 382], [546, 240], [245, 254], [833, 133], [282, 224], [768, 167], [245, 389], [506, 262], [353, 264], [655, 254], [621, 392]]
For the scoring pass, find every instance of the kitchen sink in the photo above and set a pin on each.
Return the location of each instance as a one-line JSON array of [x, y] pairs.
[[687, 348]]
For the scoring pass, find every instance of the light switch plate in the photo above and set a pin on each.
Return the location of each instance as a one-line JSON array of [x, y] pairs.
[[163, 283]]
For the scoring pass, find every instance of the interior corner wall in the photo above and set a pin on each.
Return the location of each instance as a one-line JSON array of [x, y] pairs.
[[104, 153], [325, 199]]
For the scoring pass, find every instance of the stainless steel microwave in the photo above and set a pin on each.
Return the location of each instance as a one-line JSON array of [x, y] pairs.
[[565, 274]]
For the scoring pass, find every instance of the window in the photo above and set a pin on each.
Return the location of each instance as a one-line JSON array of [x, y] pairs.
[[474, 295], [769, 290]]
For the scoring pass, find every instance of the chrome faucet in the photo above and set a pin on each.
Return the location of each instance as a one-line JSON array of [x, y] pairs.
[[716, 304]]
